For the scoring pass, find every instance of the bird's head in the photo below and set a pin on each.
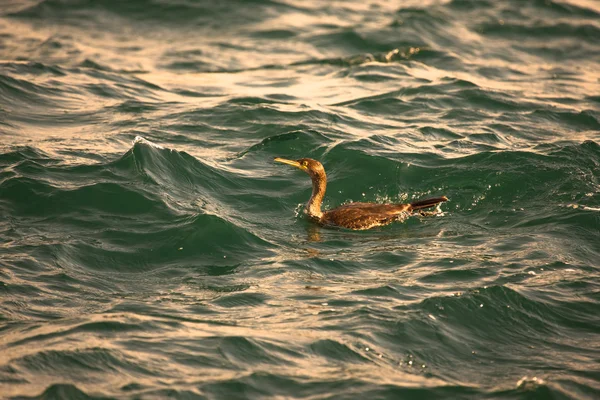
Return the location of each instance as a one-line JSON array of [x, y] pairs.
[[311, 167]]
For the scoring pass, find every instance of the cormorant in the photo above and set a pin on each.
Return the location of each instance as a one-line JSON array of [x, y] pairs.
[[357, 216]]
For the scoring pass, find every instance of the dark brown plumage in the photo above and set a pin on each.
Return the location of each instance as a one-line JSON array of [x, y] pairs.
[[356, 216]]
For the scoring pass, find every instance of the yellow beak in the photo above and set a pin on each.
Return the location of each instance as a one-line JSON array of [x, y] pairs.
[[289, 162]]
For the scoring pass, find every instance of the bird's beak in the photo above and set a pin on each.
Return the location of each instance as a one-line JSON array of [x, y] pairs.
[[290, 162]]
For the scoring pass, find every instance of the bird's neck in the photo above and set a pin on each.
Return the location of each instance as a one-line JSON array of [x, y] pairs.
[[313, 207]]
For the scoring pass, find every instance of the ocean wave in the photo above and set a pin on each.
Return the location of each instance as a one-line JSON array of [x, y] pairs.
[[584, 32], [25, 93], [150, 247], [148, 10], [170, 191]]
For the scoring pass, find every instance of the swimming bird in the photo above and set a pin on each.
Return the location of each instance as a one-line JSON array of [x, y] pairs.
[[356, 216]]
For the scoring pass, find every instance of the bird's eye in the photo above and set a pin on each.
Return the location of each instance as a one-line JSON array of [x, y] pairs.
[[304, 163]]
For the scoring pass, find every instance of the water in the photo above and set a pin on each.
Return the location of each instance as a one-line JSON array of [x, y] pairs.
[[151, 248]]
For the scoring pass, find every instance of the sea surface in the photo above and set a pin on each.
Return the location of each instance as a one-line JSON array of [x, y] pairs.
[[151, 248]]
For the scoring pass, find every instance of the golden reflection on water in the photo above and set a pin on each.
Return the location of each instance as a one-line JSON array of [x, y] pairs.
[[282, 330], [86, 122], [300, 307]]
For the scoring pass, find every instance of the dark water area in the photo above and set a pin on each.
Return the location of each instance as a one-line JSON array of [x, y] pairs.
[[150, 247]]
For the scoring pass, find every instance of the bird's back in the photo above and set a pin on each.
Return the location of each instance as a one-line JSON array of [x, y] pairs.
[[365, 215]]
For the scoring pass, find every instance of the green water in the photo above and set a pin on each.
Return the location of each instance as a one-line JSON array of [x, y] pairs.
[[151, 248]]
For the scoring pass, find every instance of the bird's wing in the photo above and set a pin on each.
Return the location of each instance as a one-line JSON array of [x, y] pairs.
[[364, 215]]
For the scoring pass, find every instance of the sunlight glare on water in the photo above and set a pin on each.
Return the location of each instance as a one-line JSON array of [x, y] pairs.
[[151, 248]]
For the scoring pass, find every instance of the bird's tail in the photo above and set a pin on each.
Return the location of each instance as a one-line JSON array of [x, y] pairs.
[[417, 205]]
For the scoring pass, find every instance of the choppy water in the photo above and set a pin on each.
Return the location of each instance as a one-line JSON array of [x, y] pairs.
[[178, 264]]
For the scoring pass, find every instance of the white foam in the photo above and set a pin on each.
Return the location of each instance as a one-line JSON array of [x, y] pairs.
[[591, 208], [139, 139], [529, 383]]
